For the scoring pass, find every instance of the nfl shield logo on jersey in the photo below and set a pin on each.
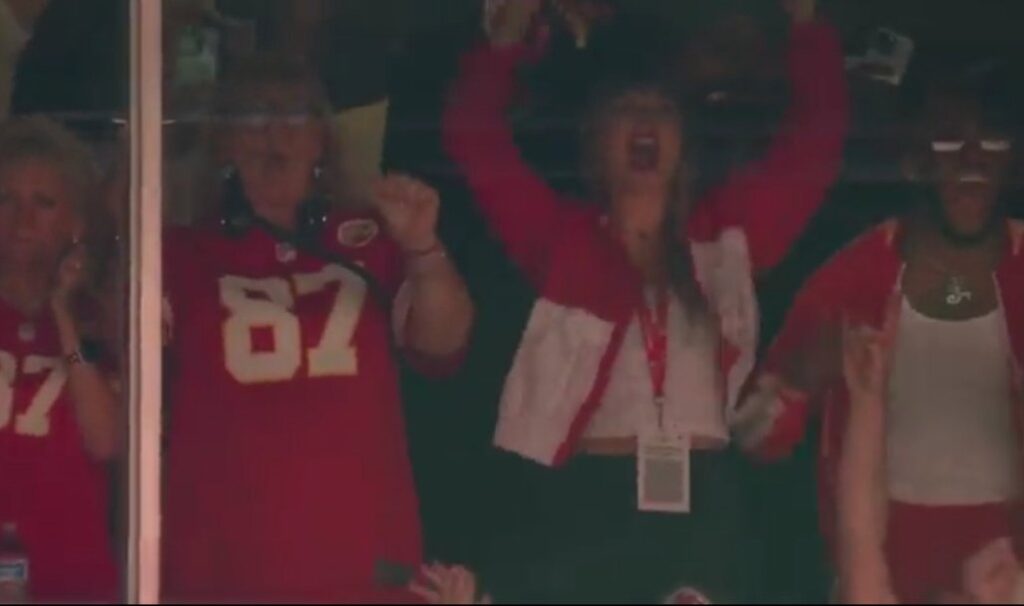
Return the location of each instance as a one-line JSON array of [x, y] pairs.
[[357, 233], [687, 595]]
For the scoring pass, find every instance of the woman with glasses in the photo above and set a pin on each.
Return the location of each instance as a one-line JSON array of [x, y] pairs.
[[287, 476]]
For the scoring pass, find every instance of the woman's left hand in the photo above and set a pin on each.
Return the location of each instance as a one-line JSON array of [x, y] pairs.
[[409, 208], [72, 273]]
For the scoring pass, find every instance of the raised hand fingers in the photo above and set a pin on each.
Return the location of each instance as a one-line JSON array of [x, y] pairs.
[[400, 188], [435, 573], [430, 596]]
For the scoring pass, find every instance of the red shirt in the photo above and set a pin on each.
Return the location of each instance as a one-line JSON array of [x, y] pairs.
[[51, 489], [287, 475]]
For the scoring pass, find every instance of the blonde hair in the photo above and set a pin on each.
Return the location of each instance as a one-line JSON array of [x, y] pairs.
[[40, 138], [677, 252]]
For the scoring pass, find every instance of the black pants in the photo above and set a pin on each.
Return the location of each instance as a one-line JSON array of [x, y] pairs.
[[588, 543]]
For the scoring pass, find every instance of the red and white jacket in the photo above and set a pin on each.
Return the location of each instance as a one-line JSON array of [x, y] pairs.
[[588, 290], [860, 282]]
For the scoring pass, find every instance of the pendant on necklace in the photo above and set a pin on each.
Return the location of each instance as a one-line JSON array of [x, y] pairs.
[[285, 253], [955, 291], [27, 332]]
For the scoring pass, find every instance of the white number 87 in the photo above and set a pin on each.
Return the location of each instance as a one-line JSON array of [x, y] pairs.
[[267, 303]]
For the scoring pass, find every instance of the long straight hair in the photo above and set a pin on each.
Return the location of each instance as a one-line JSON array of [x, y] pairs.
[[677, 254]]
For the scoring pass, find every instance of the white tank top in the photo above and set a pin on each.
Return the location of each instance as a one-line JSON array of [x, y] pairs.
[[694, 402], [951, 438]]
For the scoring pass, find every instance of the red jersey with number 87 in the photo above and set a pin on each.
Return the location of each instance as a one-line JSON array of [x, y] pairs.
[[50, 488], [287, 475]]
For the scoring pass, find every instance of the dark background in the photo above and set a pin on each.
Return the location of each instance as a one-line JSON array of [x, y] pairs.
[[407, 49]]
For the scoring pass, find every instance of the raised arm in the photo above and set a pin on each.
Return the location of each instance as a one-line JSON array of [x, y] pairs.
[[862, 494], [774, 198], [440, 311], [91, 389], [523, 211]]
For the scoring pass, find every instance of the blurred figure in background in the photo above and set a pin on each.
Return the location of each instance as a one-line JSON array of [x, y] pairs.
[[75, 64], [351, 42], [17, 19]]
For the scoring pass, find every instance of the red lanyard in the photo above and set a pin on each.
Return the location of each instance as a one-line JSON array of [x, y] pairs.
[[654, 327]]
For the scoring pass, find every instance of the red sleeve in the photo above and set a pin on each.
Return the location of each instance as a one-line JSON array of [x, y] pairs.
[[521, 208], [775, 198], [817, 303], [775, 414]]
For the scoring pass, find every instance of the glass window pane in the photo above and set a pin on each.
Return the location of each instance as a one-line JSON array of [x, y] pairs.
[[64, 87]]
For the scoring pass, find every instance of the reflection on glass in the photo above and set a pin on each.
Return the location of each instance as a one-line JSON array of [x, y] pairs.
[[63, 90]]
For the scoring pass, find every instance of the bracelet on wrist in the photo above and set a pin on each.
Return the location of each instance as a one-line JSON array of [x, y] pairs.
[[87, 352], [435, 249]]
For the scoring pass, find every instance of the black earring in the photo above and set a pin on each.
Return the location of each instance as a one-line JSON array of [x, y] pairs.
[[312, 213], [236, 213]]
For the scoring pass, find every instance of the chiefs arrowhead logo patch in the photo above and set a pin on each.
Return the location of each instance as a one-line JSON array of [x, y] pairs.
[[357, 233]]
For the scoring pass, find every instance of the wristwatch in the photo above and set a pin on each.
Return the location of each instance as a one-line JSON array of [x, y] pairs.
[[88, 352]]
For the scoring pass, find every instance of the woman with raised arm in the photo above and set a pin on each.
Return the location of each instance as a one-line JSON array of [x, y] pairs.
[[645, 326]]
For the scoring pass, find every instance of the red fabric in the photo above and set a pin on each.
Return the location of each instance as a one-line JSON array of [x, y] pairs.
[[859, 282], [51, 488], [843, 284], [292, 487], [654, 327], [593, 401], [927, 546], [564, 250], [774, 198]]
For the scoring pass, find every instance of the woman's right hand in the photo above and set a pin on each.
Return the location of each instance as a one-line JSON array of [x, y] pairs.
[[865, 362], [511, 22], [991, 575], [72, 275]]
